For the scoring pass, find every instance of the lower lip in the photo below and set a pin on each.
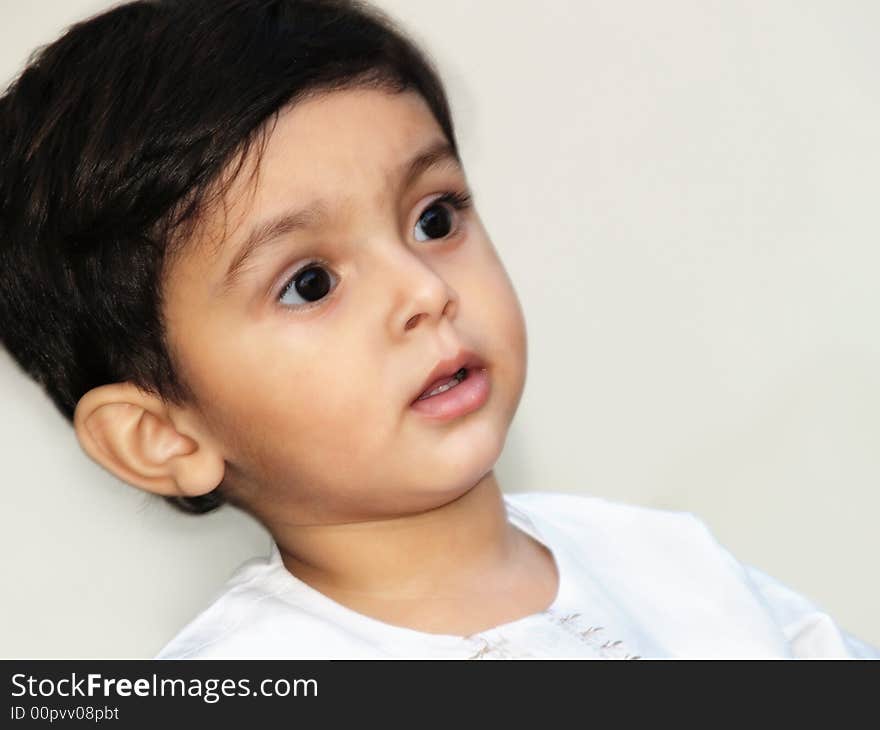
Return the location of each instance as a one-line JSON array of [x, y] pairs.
[[464, 398]]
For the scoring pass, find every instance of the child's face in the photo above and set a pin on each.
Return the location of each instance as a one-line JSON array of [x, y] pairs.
[[311, 406]]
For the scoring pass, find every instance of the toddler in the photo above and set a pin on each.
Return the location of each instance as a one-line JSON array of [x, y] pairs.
[[241, 255]]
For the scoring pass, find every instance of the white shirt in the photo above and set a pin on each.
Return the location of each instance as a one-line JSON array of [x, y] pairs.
[[634, 582]]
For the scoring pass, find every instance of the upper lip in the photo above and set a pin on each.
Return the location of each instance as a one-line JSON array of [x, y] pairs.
[[448, 367]]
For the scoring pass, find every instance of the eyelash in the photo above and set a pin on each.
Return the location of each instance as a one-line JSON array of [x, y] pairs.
[[458, 200]]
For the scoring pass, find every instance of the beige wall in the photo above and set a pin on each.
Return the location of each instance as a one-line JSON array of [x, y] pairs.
[[685, 196]]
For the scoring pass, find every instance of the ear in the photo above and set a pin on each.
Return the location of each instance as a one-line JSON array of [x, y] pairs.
[[136, 436]]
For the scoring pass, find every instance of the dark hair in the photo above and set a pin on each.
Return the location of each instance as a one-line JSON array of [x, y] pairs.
[[113, 140]]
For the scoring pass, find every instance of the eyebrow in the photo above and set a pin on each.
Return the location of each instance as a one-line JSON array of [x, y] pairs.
[[313, 215]]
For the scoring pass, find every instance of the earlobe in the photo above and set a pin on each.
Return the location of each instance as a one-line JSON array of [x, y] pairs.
[[133, 436]]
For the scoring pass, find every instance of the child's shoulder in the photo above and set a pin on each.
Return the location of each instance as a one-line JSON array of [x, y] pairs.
[[625, 542], [252, 616], [663, 564]]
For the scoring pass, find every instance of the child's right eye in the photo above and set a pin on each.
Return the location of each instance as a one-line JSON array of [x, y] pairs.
[[311, 283]]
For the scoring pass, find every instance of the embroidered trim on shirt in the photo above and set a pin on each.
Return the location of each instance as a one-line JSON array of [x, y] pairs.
[[591, 635], [501, 648]]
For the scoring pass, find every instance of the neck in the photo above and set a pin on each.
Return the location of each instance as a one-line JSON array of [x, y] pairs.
[[444, 549]]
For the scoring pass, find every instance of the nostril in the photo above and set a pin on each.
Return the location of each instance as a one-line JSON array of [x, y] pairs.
[[412, 321]]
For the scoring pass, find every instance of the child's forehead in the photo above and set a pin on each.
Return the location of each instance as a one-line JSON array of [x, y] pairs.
[[319, 156], [334, 140], [348, 130]]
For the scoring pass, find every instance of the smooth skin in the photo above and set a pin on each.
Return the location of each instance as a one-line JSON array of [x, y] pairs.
[[304, 406]]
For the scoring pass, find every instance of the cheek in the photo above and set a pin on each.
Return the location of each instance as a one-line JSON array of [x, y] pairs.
[[500, 327], [277, 389], [495, 307], [309, 418], [307, 433]]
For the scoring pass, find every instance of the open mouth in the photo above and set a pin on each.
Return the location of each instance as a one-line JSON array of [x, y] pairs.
[[448, 374], [454, 388], [444, 384], [466, 391]]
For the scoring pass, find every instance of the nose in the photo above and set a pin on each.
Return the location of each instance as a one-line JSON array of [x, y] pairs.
[[416, 318], [421, 293]]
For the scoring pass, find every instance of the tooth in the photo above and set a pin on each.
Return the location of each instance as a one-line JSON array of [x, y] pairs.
[[459, 376], [441, 389]]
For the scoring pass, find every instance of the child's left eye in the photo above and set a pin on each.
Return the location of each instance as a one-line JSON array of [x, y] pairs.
[[437, 221]]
